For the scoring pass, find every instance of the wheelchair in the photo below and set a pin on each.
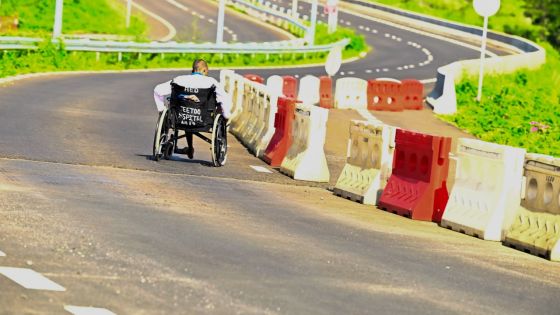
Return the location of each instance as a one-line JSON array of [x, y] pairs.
[[185, 114]]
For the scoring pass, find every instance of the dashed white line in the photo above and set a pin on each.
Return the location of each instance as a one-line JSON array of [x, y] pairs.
[[341, 72], [387, 35], [30, 279], [350, 72], [369, 71], [367, 28], [361, 27], [399, 68], [2, 254], [260, 169], [374, 31], [80, 310], [385, 70], [348, 23]]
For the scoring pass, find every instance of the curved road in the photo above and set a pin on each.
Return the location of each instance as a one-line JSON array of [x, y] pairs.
[[81, 203]]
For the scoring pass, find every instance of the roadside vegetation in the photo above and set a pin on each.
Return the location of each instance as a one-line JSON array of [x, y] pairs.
[[520, 109], [98, 16], [36, 17]]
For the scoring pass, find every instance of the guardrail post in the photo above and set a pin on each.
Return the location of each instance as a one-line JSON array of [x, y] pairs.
[[119, 56], [97, 56], [220, 24], [57, 29]]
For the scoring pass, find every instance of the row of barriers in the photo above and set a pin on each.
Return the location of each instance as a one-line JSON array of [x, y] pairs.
[[350, 93], [500, 192], [277, 128]]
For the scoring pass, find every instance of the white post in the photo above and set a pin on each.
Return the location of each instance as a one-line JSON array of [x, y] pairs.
[[482, 55], [313, 20], [220, 30], [294, 8], [128, 9], [57, 29], [333, 21]]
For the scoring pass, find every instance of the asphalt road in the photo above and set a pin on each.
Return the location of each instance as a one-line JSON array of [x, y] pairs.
[[82, 203]]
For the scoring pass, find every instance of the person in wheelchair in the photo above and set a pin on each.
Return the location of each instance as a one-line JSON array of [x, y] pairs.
[[197, 81], [197, 103]]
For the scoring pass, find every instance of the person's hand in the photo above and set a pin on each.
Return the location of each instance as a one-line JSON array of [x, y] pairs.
[[192, 98]]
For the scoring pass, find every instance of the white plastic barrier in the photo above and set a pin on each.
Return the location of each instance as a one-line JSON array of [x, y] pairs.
[[259, 138], [536, 228], [275, 84], [233, 85], [487, 190], [245, 118], [257, 93], [369, 162], [306, 158], [350, 93], [308, 91]]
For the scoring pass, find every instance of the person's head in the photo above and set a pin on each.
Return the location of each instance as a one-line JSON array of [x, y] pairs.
[[200, 66]]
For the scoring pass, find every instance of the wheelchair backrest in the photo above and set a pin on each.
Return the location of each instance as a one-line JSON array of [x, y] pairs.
[[191, 114]]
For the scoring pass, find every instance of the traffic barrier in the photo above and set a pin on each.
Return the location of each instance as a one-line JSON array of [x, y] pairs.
[[263, 132], [233, 85], [325, 92], [487, 189], [412, 92], [275, 84], [282, 138], [308, 92], [256, 109], [536, 228], [239, 118], [384, 94], [246, 119], [254, 78], [289, 88], [417, 187], [351, 93], [306, 158], [368, 163]]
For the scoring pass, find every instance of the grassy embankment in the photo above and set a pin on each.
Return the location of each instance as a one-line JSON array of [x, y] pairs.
[[98, 16], [520, 109]]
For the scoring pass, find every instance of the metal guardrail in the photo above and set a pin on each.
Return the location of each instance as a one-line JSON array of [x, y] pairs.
[[295, 46], [86, 44]]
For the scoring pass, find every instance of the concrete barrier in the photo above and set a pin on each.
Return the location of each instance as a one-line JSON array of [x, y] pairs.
[[487, 190], [536, 228], [306, 158], [265, 128], [350, 93], [309, 90], [368, 164]]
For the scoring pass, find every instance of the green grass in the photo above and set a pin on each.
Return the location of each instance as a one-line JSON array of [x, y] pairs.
[[520, 109], [510, 18], [36, 17], [354, 48], [51, 58]]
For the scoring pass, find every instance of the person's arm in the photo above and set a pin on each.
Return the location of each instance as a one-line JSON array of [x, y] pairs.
[[160, 91], [225, 99]]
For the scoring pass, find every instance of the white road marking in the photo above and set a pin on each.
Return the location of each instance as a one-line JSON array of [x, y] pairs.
[[369, 71], [211, 21], [80, 310], [377, 70], [432, 80], [385, 70], [2, 254], [410, 29], [399, 68], [260, 169], [361, 27], [170, 28], [350, 72], [348, 23], [367, 28], [374, 31], [30, 279], [342, 73], [387, 35]]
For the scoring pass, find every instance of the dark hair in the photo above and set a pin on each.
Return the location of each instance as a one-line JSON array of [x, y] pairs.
[[199, 65]]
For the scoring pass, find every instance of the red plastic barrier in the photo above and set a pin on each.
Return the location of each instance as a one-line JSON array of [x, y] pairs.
[[254, 77], [325, 91], [417, 187], [384, 95], [289, 89], [413, 93], [282, 138]]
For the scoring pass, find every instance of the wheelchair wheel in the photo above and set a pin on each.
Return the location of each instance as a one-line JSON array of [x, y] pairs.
[[161, 136], [219, 141]]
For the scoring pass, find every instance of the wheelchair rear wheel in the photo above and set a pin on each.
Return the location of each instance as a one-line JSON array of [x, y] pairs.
[[219, 141], [161, 136]]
